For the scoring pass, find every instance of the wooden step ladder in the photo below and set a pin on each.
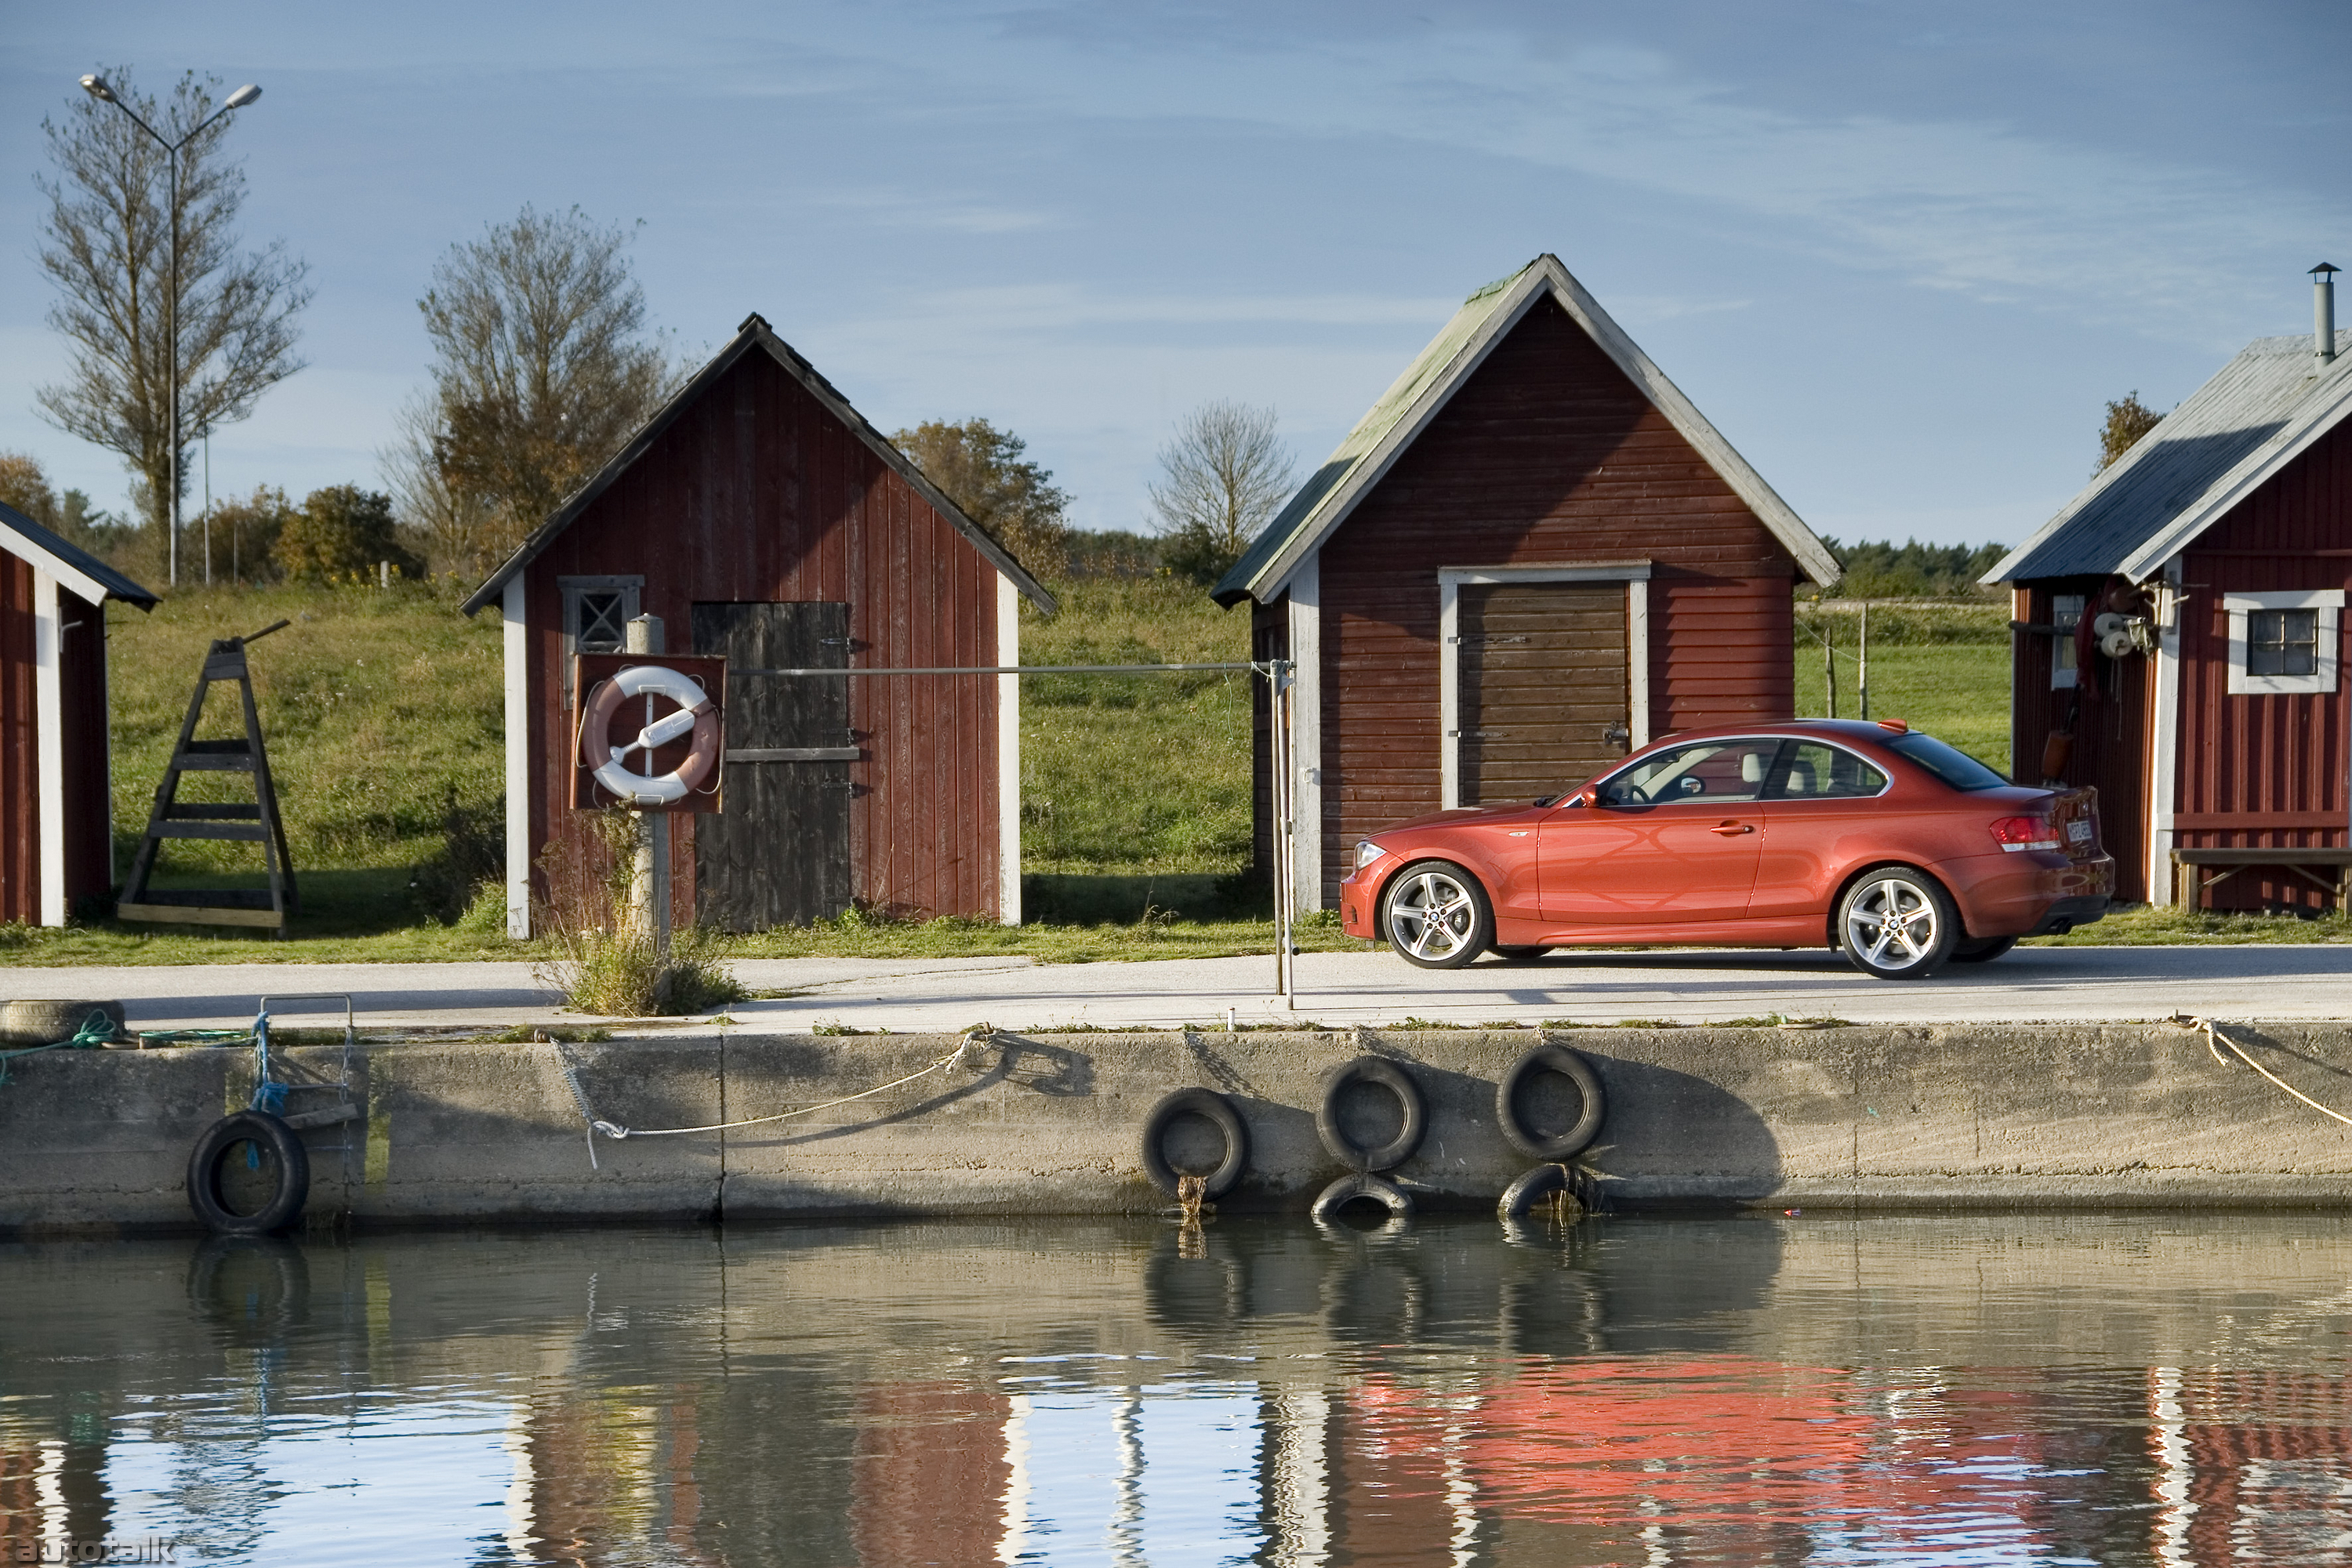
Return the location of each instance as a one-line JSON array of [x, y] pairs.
[[257, 823]]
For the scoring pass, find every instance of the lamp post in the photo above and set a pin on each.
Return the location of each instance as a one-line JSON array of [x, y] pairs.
[[96, 86]]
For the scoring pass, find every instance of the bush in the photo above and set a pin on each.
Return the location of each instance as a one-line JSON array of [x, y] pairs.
[[340, 535], [615, 969]]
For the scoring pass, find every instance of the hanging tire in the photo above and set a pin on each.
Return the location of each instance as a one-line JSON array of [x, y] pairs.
[[1397, 1082], [1567, 1064], [1435, 915], [1982, 949], [1538, 1185], [209, 1165], [1895, 924], [1215, 1109], [1348, 1189]]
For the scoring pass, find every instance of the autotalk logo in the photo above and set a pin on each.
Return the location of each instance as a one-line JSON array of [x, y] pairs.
[[153, 1549]]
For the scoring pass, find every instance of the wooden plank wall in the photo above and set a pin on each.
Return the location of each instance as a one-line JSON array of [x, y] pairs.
[[757, 493], [20, 841], [2270, 770], [1547, 454]]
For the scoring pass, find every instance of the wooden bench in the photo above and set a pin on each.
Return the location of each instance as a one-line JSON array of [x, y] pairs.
[[2194, 885]]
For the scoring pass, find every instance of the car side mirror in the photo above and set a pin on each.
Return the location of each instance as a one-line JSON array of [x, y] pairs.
[[1586, 798]]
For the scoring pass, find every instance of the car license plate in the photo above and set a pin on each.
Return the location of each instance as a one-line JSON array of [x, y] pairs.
[[2078, 832]]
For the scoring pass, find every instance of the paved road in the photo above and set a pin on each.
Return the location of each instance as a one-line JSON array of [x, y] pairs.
[[2059, 983]]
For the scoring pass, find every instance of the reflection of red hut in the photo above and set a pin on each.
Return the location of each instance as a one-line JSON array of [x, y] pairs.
[[2260, 1468], [930, 1474]]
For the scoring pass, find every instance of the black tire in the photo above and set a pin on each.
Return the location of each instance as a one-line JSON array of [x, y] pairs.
[[1219, 1112], [1549, 1058], [1397, 1082], [1445, 910], [1514, 953], [1895, 924], [1982, 949], [1348, 1189], [1539, 1184], [212, 1150]]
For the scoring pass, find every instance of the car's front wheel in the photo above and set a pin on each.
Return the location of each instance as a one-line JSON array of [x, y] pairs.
[[1435, 915], [1897, 924]]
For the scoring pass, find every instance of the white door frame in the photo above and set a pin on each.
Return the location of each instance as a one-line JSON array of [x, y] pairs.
[[1452, 580]]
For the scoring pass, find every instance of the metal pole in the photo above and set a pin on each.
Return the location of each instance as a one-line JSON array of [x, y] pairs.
[[1286, 883], [649, 878], [171, 333], [1861, 679]]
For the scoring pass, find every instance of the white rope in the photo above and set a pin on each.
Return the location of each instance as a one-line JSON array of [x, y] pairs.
[[2216, 1039], [610, 1130]]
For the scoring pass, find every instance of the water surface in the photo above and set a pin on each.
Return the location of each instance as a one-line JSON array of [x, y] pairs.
[[1640, 1391]]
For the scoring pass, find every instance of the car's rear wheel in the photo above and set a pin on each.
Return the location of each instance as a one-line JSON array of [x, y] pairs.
[[1897, 923], [1435, 915], [1981, 950]]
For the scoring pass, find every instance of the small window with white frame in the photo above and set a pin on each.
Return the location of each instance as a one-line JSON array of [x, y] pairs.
[[2283, 642], [2065, 611], [596, 616]]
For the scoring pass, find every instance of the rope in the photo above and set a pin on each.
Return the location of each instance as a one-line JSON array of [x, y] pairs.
[[611, 1130], [95, 1031], [2216, 1039]]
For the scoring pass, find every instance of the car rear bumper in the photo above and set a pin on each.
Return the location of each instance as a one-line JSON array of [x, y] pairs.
[[2067, 913], [2034, 894]]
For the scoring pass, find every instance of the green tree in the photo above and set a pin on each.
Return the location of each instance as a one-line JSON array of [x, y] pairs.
[[106, 244], [341, 533], [983, 471], [25, 485], [245, 535], [1221, 477], [2129, 419], [543, 368]]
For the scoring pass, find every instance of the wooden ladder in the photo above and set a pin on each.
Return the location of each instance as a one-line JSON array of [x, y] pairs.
[[257, 823]]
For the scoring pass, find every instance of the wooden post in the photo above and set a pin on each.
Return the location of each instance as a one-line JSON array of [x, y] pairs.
[[1862, 676], [1285, 827], [1829, 672], [649, 879]]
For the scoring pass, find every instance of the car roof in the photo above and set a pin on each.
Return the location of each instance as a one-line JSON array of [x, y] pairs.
[[1863, 730]]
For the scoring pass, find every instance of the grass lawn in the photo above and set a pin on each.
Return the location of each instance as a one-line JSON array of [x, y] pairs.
[[382, 715]]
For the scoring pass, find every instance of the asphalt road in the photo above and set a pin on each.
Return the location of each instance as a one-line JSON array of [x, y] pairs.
[[2052, 983]]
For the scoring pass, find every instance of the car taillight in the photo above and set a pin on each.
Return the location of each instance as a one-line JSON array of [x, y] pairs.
[[2015, 832]]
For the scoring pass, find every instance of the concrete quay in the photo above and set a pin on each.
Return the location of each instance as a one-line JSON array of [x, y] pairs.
[[1907, 1117]]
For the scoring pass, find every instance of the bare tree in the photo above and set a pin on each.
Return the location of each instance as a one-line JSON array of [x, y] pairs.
[[983, 470], [456, 528], [107, 244], [1222, 478], [543, 368]]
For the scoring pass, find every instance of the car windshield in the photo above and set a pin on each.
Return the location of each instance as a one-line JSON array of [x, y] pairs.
[[1949, 764]]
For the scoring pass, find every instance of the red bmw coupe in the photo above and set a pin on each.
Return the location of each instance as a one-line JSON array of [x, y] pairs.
[[1904, 852]]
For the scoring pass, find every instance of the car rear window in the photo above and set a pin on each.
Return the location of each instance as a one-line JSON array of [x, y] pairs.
[[1949, 764]]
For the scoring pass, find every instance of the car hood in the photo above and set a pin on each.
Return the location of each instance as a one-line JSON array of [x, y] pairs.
[[1458, 815]]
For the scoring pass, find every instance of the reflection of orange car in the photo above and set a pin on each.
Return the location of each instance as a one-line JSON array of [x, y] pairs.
[[1875, 839]]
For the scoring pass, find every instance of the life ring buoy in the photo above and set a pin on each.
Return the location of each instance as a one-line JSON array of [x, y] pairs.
[[1362, 1184], [1397, 1082], [1549, 1058], [214, 1149], [1219, 1112], [696, 712]]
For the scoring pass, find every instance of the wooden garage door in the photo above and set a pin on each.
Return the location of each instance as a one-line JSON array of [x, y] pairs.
[[1543, 674], [778, 853]]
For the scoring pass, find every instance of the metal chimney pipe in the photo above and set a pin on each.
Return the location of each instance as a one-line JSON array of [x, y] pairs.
[[2323, 314]]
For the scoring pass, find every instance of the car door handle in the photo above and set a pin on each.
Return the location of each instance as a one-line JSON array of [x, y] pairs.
[[1728, 829]]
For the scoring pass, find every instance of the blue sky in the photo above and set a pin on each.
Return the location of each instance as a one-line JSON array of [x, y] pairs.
[[1899, 254]]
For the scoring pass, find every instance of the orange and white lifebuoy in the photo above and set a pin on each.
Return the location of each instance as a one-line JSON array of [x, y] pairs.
[[696, 712]]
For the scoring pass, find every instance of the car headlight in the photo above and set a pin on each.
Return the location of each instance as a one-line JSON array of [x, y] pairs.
[[1367, 852]]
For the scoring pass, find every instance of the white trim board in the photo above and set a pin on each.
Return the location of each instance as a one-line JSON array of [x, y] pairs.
[[1305, 587], [517, 648], [2164, 770], [49, 744], [1008, 753], [1452, 580]]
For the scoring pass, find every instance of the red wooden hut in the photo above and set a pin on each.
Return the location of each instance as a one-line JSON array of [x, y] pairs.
[[1532, 555], [760, 517], [56, 841], [2202, 697]]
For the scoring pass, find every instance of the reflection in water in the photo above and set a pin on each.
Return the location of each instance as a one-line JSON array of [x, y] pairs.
[[1629, 1390]]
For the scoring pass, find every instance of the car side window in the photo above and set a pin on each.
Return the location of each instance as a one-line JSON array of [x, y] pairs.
[[1709, 773], [1812, 771]]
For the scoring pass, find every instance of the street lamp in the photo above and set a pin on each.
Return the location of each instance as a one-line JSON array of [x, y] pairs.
[[96, 86]]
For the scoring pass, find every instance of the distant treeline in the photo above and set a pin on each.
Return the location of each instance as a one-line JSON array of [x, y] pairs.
[[1884, 570]]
